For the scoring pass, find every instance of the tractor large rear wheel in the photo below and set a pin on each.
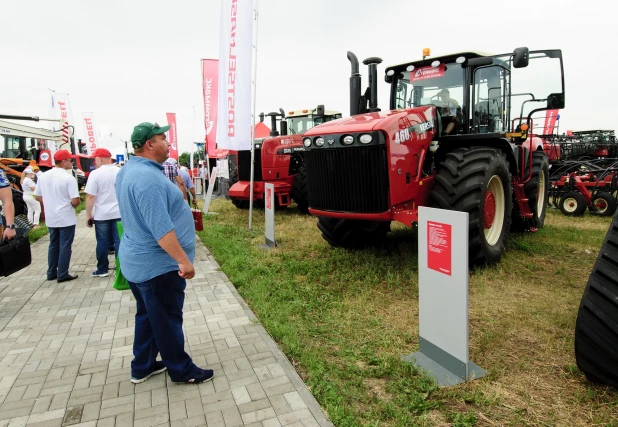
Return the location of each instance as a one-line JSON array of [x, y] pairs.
[[537, 193], [300, 192], [596, 328], [348, 233], [477, 180]]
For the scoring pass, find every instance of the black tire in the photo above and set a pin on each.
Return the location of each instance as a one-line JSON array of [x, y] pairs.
[[467, 181], [240, 203], [300, 192], [596, 328], [351, 234], [603, 204], [20, 206], [573, 203], [537, 193]]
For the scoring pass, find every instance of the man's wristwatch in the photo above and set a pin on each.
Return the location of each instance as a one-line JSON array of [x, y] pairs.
[[12, 226]]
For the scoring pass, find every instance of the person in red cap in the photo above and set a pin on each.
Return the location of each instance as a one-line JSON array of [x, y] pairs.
[[101, 198], [59, 193]]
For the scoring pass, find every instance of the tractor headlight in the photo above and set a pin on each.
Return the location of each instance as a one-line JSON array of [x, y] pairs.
[[347, 140], [307, 142], [365, 138], [319, 141]]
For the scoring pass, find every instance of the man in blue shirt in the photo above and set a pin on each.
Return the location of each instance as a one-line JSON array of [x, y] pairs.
[[156, 255], [188, 181]]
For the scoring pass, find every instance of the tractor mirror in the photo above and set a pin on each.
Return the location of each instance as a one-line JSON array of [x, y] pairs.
[[521, 57], [320, 110], [555, 101]]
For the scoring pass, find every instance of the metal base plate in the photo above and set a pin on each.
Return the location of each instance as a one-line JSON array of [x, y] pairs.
[[442, 376]]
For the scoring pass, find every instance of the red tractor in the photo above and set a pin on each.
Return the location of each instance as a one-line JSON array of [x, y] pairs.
[[449, 141], [278, 160]]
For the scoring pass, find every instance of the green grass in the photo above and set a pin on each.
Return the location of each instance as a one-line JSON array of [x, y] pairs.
[[36, 234], [344, 318]]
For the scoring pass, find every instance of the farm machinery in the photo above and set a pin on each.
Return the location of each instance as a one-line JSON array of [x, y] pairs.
[[456, 137], [278, 159], [584, 169]]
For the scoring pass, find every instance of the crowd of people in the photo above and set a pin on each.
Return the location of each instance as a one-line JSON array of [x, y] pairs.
[[149, 195]]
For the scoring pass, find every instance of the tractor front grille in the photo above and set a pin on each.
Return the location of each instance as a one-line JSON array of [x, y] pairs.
[[350, 179]]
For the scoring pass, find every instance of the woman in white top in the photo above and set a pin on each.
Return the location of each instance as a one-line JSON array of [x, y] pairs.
[[34, 207]]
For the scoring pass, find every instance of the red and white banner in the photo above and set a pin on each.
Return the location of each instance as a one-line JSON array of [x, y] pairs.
[[62, 107], [550, 122], [90, 133], [425, 73], [172, 136], [235, 71], [210, 84]]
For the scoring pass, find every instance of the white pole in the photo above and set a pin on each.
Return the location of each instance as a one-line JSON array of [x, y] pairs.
[[257, 3]]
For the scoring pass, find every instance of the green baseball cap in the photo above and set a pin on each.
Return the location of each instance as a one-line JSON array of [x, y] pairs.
[[144, 131]]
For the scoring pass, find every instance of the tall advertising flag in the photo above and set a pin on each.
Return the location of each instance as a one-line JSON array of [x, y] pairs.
[[89, 130], [210, 82], [235, 69], [550, 122], [63, 109], [172, 136]]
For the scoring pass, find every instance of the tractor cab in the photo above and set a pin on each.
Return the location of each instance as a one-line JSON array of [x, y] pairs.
[[476, 93], [300, 121]]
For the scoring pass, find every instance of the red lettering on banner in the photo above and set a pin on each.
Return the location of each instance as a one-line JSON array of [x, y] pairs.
[[231, 75], [439, 247]]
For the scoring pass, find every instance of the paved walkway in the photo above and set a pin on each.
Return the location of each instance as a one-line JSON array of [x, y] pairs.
[[66, 349]]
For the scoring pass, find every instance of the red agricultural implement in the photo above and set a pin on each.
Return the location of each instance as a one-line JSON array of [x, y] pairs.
[[456, 137], [584, 170]]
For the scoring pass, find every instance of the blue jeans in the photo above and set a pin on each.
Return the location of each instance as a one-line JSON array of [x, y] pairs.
[[59, 252], [158, 327], [105, 232]]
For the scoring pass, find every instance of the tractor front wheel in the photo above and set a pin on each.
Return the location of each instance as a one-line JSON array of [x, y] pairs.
[[300, 193], [351, 234], [604, 204], [573, 204], [240, 203], [477, 180]]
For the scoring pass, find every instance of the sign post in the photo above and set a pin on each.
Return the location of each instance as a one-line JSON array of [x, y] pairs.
[[269, 216], [443, 297], [208, 195]]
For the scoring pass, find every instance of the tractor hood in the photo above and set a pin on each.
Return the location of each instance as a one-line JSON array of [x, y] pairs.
[[368, 122]]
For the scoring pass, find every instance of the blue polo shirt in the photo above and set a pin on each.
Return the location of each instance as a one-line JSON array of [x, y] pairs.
[[150, 207]]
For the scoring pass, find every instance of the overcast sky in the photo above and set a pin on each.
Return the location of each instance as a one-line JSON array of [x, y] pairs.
[[134, 60]]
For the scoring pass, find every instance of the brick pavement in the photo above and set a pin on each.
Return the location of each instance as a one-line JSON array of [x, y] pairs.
[[66, 349]]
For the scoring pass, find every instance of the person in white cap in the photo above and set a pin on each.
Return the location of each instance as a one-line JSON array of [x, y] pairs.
[[34, 207]]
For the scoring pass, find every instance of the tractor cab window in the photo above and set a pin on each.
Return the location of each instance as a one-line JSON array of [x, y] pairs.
[[300, 125], [488, 113], [441, 86]]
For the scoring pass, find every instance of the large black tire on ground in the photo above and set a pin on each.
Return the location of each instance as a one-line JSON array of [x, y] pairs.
[[352, 234], [596, 328], [603, 204], [240, 203], [573, 203], [300, 192], [537, 193], [467, 181], [21, 208]]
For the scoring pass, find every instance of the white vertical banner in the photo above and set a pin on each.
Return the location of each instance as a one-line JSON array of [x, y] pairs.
[[90, 131], [235, 75], [63, 112], [52, 145]]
